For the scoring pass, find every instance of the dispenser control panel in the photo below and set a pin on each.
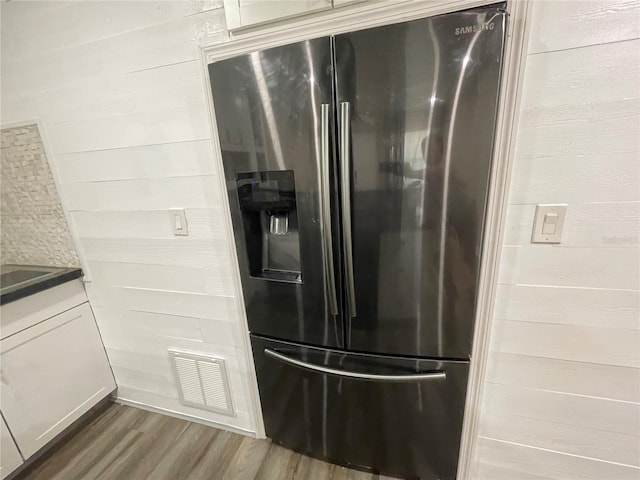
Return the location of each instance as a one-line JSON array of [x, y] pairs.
[[273, 190]]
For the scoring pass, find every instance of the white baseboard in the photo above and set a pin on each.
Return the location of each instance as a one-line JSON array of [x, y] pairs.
[[182, 416]]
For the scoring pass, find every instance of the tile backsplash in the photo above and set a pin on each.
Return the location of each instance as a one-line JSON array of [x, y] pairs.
[[34, 228]]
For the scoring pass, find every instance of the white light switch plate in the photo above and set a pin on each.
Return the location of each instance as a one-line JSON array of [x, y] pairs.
[[179, 221], [548, 223]]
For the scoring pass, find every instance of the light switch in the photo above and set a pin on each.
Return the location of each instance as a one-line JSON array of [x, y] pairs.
[[548, 223], [179, 221]]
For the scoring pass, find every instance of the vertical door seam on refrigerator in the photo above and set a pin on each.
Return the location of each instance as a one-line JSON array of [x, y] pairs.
[[337, 177]]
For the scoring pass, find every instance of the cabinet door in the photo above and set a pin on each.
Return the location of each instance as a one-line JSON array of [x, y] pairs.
[[244, 13], [10, 458], [52, 373]]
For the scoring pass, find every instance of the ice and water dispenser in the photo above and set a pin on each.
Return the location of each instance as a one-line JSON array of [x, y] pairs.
[[268, 206]]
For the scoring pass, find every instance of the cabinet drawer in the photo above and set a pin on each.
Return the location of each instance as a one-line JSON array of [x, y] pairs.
[[29, 311], [52, 373]]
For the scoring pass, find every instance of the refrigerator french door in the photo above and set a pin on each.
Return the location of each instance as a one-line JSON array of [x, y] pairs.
[[275, 123], [357, 169]]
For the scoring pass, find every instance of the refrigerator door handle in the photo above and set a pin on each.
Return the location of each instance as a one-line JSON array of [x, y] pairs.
[[325, 207], [345, 158], [438, 375]]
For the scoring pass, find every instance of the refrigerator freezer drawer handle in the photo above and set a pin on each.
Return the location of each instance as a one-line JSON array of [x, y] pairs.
[[345, 159], [325, 209], [440, 375]]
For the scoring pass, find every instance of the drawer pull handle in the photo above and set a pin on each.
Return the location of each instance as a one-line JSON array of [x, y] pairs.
[[359, 376]]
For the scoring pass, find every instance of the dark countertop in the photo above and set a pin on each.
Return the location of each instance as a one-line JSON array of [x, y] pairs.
[[19, 281]]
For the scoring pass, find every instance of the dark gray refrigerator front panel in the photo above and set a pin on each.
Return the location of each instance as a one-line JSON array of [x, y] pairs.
[[363, 411], [275, 123], [419, 102]]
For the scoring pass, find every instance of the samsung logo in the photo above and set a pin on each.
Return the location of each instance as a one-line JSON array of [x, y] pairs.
[[474, 28]]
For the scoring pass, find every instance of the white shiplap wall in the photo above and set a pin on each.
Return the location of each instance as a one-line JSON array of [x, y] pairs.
[[561, 396], [119, 90]]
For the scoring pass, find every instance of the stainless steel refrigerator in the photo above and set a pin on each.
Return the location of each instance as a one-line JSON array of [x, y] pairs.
[[357, 169]]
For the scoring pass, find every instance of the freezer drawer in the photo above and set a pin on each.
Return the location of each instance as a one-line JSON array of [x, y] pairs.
[[397, 416]]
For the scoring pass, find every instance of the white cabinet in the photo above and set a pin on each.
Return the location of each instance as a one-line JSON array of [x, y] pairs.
[[52, 373], [10, 458], [245, 13]]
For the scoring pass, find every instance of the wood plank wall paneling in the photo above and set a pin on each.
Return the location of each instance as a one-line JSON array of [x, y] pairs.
[[196, 191], [551, 374], [569, 306], [119, 90], [202, 223], [567, 77], [187, 122], [167, 302], [522, 461], [66, 22], [567, 24], [127, 51], [129, 163], [604, 224], [561, 398], [174, 278], [612, 267]]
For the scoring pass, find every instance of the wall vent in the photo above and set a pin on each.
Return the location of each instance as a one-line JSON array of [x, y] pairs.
[[202, 381]]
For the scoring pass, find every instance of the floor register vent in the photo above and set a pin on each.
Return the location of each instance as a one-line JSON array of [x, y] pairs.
[[202, 381]]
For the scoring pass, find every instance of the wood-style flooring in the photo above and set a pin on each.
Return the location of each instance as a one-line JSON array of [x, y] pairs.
[[125, 443]]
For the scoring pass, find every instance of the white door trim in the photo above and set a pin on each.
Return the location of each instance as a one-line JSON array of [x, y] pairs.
[[383, 12], [504, 150]]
